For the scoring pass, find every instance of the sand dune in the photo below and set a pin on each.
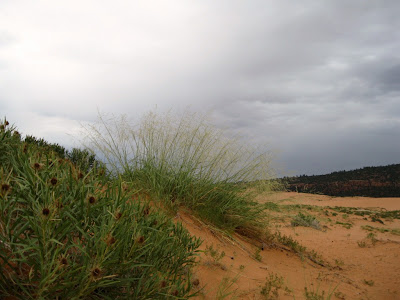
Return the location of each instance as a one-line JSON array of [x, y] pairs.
[[361, 258]]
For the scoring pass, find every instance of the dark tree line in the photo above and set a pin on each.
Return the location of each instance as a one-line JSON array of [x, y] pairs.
[[381, 181]]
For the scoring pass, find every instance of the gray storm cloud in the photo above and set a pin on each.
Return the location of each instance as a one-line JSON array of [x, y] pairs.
[[317, 80]]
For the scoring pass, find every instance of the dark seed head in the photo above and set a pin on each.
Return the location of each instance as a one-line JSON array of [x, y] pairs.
[[16, 133], [175, 293], [25, 148], [37, 166], [118, 215], [140, 240], [5, 187], [45, 211], [6, 123], [146, 211], [163, 284], [196, 282], [80, 175], [53, 181], [96, 272], [64, 261], [92, 200]]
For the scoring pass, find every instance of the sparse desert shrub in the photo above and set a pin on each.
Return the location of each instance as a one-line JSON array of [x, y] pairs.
[[372, 236], [185, 161], [305, 220], [62, 236], [362, 244], [368, 282], [215, 257], [257, 255], [312, 293], [224, 288], [271, 288], [345, 224], [289, 242]]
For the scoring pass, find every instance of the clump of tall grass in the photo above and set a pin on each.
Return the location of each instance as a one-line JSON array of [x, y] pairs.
[[63, 235], [185, 160]]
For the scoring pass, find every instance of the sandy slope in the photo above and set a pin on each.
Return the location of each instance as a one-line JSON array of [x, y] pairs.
[[351, 271]]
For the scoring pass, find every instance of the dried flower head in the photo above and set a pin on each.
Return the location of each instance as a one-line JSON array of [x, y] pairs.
[[80, 175], [175, 293], [96, 272], [6, 123], [64, 261], [45, 211], [118, 215], [25, 149], [53, 181], [51, 163], [146, 211], [140, 240], [37, 166], [92, 200], [5, 187], [196, 282], [16, 133], [110, 240], [163, 284]]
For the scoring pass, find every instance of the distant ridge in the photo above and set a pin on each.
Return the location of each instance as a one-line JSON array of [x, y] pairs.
[[383, 181]]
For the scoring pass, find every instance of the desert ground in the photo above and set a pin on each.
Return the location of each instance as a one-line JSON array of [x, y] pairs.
[[354, 244]]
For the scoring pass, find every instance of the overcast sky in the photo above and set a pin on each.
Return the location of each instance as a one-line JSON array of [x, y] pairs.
[[318, 80]]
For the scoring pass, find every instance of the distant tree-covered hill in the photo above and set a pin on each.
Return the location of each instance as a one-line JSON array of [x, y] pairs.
[[381, 181]]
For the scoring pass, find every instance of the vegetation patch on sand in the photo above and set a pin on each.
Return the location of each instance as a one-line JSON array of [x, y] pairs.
[[69, 232], [185, 161]]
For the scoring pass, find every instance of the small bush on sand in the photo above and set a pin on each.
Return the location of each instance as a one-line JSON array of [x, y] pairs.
[[271, 288], [305, 220]]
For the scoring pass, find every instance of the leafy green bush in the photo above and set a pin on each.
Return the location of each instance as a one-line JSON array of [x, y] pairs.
[[60, 150], [81, 158], [67, 236], [9, 139], [84, 159], [185, 161]]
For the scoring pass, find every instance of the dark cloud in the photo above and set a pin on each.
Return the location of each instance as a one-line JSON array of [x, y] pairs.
[[318, 80], [389, 79]]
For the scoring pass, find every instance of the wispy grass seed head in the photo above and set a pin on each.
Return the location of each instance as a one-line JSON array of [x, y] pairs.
[[187, 159]]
